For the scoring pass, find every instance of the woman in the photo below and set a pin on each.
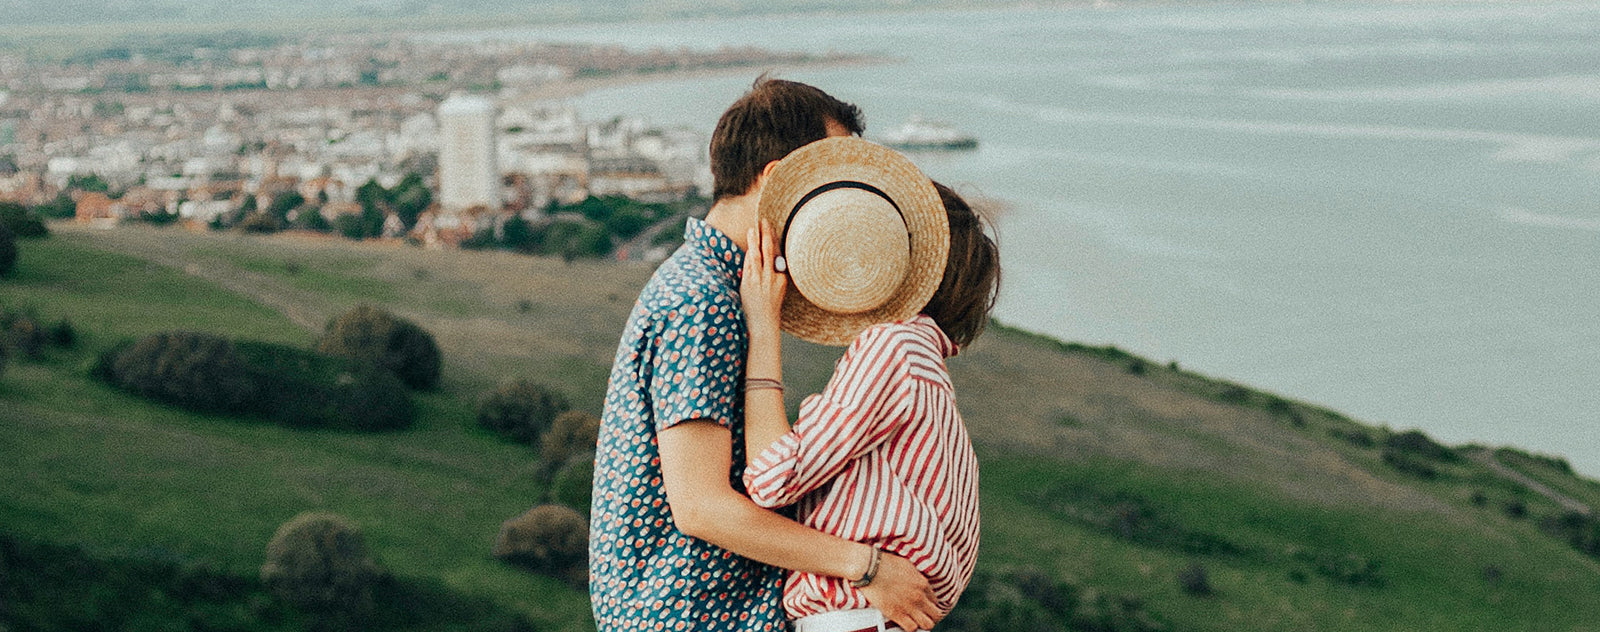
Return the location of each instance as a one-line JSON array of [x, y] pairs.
[[881, 456]]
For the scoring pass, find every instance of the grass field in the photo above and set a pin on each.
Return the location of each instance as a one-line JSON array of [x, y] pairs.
[[1113, 476]]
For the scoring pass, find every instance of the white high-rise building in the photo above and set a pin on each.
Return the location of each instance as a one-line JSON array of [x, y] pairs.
[[468, 175]]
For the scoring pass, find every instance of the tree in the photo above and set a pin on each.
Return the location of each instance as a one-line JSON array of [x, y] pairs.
[[410, 198], [90, 182], [284, 202], [61, 207]]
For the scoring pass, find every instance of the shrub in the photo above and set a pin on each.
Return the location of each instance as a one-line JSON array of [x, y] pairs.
[[520, 410], [1234, 394], [1419, 444], [260, 222], [1578, 529], [1195, 581], [5, 356], [1344, 568], [1479, 499], [306, 389], [294, 387], [573, 433], [24, 333], [8, 252], [63, 587], [1408, 464], [1515, 508], [319, 561], [21, 222], [574, 482], [1029, 600], [194, 370], [63, 334], [370, 334], [1354, 436], [550, 539]]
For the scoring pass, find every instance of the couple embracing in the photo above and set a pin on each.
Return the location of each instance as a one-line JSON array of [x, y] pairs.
[[711, 510]]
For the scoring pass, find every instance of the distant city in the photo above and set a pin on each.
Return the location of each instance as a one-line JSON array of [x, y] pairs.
[[285, 134]]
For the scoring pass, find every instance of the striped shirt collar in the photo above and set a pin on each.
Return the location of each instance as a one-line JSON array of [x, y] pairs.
[[947, 348], [715, 248]]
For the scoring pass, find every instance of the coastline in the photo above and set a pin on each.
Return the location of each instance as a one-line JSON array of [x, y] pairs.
[[579, 86]]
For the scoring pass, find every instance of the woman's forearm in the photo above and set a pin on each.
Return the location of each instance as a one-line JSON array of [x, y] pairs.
[[765, 420]]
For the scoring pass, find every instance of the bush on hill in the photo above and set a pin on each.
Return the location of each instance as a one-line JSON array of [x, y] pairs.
[[1195, 581], [1133, 518], [549, 539], [1515, 458], [193, 370], [24, 332], [54, 587], [63, 334], [319, 562], [1029, 600], [21, 221], [8, 252], [1349, 569], [574, 482], [373, 335], [302, 388], [1355, 436], [520, 410], [1414, 442], [572, 434], [1578, 529], [294, 387], [1406, 463]]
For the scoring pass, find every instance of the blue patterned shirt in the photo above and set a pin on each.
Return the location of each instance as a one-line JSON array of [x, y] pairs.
[[681, 358]]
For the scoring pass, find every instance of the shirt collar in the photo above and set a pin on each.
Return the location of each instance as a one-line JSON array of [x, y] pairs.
[[714, 247], [947, 348]]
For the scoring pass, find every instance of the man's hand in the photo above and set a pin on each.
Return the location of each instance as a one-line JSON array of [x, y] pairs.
[[903, 595]]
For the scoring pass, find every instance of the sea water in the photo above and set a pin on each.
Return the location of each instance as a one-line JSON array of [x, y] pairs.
[[1389, 209]]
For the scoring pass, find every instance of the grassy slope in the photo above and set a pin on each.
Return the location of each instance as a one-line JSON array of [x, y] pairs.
[[1059, 431]]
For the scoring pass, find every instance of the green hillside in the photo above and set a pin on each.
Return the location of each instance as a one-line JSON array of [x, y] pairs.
[[1117, 493]]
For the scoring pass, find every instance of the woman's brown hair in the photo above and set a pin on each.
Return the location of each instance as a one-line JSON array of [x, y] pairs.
[[971, 280]]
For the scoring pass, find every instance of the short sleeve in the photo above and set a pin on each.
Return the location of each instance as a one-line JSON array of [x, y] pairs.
[[696, 363]]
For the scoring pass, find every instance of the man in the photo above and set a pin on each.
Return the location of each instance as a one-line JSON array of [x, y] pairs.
[[675, 544]]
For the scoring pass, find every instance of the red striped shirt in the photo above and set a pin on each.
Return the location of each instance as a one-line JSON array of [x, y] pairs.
[[882, 457]]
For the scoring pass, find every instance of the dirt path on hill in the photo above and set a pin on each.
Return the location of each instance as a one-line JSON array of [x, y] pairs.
[[261, 288], [1488, 459]]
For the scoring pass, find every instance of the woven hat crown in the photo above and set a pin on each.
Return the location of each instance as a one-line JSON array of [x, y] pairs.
[[864, 234]]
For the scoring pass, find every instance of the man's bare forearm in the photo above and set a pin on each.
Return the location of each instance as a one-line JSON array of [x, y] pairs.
[[695, 457], [733, 522]]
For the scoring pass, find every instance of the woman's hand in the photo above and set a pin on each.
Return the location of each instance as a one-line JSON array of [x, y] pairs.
[[762, 288]]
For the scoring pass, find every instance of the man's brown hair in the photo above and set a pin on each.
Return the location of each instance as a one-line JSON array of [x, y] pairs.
[[971, 280], [774, 118]]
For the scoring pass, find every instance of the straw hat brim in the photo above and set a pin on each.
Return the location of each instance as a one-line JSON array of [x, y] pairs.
[[847, 158]]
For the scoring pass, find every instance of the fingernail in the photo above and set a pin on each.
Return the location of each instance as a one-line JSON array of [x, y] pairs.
[[780, 264]]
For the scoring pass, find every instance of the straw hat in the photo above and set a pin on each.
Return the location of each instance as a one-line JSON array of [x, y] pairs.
[[863, 234]]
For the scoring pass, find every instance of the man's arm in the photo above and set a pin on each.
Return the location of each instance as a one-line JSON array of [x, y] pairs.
[[695, 459]]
